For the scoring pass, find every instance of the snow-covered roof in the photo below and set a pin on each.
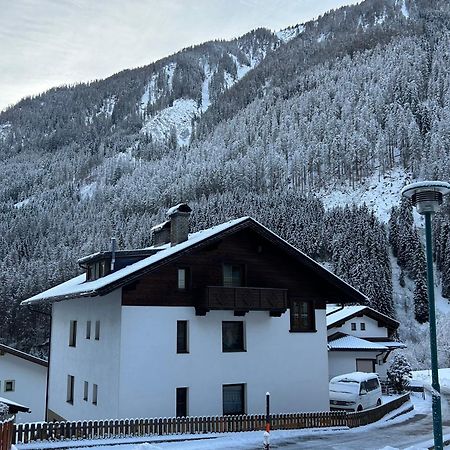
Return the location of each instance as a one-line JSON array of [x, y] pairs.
[[80, 287], [160, 226], [354, 343], [391, 344], [12, 351], [337, 314], [14, 406]]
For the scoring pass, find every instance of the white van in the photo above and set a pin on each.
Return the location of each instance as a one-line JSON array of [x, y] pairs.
[[355, 391]]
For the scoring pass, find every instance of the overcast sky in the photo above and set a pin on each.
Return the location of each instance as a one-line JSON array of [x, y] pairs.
[[46, 43]]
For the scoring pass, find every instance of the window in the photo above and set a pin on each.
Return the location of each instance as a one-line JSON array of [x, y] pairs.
[[365, 365], [232, 275], [182, 399], [372, 384], [183, 279], [94, 394], [70, 388], [302, 316], [353, 325], [363, 326], [9, 386], [88, 329], [233, 336], [97, 330], [233, 399], [182, 336], [73, 333], [86, 391]]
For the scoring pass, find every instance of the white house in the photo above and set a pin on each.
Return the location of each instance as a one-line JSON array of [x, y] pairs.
[[359, 339], [23, 381], [197, 324]]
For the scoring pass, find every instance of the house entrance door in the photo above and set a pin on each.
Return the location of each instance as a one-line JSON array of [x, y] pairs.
[[365, 365]]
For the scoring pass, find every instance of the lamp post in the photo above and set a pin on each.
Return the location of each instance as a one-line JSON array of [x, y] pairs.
[[427, 196]]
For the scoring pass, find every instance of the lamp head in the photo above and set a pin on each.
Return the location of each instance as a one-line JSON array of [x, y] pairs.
[[426, 196]]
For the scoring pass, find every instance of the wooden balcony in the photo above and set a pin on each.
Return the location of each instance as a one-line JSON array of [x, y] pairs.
[[243, 299]]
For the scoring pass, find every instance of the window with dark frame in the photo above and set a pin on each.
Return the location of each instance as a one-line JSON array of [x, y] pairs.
[[302, 316], [94, 394], [86, 391], [233, 397], [9, 385], [363, 326], [182, 336], [73, 333], [183, 278], [88, 329], [353, 325], [97, 330], [182, 402], [233, 336], [70, 388], [233, 275]]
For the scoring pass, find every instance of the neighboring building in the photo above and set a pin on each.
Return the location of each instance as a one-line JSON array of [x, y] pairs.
[[197, 324], [359, 339], [23, 380]]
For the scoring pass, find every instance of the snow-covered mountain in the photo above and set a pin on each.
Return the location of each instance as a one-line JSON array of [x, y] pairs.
[[289, 126]]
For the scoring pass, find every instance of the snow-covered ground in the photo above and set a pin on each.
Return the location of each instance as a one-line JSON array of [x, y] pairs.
[[178, 117], [379, 193], [288, 34]]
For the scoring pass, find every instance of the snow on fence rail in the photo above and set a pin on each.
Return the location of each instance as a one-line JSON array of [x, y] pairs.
[[101, 429], [6, 433]]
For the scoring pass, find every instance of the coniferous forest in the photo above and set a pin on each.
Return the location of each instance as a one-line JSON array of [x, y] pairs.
[[264, 125]]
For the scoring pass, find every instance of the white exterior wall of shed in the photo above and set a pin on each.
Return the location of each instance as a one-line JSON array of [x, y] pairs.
[[372, 330], [30, 384], [91, 360], [341, 362], [293, 367]]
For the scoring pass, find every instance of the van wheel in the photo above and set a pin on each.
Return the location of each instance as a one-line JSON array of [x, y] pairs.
[[359, 408], [379, 402]]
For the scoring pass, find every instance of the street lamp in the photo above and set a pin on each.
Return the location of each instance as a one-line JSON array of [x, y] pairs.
[[427, 197]]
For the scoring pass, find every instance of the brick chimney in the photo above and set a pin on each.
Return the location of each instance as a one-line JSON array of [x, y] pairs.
[[179, 223]]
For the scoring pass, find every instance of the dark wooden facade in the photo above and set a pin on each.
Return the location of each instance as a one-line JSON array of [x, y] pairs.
[[275, 276]]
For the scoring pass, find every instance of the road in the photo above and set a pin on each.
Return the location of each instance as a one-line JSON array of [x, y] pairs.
[[398, 435]]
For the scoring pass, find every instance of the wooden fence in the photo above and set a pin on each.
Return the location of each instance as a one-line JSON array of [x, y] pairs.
[[102, 429], [6, 433]]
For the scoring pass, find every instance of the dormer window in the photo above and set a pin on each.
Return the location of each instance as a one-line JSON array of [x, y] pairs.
[[97, 270]]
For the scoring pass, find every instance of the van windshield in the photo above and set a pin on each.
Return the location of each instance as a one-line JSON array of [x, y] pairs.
[[349, 387]]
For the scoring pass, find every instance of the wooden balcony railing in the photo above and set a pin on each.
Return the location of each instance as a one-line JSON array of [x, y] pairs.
[[243, 299]]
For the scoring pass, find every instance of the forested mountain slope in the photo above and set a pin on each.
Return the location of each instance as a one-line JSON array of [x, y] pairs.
[[265, 125]]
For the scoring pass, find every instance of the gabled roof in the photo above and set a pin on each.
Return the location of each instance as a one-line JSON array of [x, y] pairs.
[[79, 287], [341, 341], [23, 355], [14, 407], [337, 315]]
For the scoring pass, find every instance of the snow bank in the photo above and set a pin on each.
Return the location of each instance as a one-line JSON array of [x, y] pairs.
[[425, 377], [288, 34]]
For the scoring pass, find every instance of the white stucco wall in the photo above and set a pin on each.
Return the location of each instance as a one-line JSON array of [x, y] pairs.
[[341, 362], [94, 361], [372, 328], [293, 367], [30, 386]]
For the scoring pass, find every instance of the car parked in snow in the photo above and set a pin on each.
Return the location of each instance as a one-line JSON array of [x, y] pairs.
[[355, 391]]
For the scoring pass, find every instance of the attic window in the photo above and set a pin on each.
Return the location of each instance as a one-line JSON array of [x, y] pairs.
[[97, 270]]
